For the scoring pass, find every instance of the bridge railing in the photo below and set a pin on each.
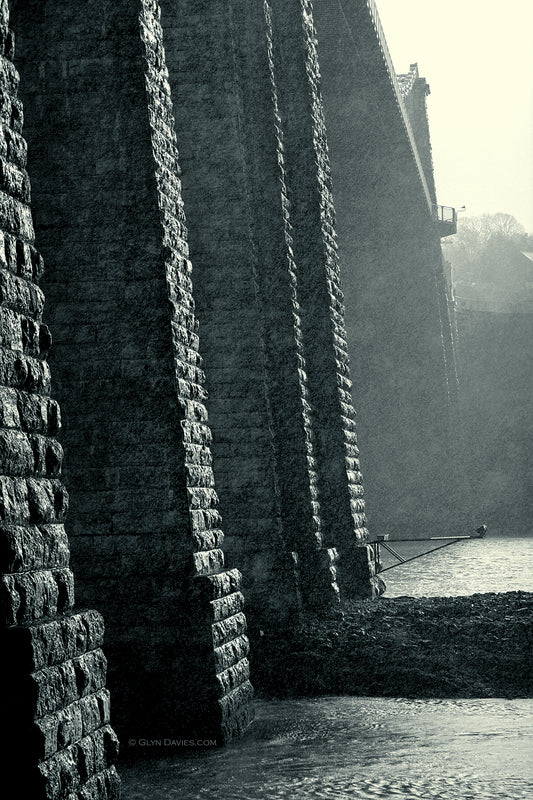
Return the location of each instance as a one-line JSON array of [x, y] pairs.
[[446, 219]]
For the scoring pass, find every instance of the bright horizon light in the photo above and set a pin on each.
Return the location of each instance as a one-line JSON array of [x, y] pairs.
[[477, 56]]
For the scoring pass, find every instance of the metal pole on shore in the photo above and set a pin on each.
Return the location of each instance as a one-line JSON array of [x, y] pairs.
[[480, 534]]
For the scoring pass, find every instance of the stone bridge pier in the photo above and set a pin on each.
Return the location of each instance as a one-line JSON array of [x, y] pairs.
[[159, 266], [184, 205]]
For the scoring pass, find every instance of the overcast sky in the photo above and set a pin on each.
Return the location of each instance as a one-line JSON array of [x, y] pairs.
[[477, 56]]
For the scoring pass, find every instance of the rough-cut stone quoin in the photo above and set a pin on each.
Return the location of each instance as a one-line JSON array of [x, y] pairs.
[[55, 702]]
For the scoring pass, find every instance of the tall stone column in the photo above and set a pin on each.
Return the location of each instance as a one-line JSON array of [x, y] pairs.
[[279, 294], [312, 218], [232, 149], [58, 741], [146, 533]]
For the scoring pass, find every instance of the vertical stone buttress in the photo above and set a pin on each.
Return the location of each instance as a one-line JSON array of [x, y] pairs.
[[231, 145], [308, 179], [147, 537], [278, 295], [56, 708]]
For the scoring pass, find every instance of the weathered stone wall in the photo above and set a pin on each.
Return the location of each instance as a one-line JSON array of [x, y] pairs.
[[146, 528], [58, 740], [285, 456], [496, 382], [398, 327], [248, 213]]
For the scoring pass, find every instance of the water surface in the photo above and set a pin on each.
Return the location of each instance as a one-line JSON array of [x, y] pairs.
[[356, 748], [468, 567]]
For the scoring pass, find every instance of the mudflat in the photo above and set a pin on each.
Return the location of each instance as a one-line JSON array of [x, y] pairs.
[[478, 645]]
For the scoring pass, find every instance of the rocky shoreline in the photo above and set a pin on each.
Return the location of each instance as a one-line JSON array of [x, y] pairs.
[[473, 646]]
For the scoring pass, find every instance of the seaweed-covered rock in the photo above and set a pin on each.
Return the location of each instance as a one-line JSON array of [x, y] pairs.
[[472, 646]]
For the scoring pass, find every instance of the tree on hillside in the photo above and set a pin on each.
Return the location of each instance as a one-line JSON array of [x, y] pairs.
[[486, 256], [502, 225]]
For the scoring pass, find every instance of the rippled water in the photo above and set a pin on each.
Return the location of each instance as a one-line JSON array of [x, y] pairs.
[[354, 748], [349, 747], [468, 567]]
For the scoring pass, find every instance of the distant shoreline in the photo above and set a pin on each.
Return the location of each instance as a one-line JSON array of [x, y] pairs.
[[447, 647]]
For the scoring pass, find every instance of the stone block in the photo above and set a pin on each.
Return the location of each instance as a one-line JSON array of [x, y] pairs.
[[36, 339], [14, 500], [199, 475], [231, 653], [10, 329], [47, 500], [28, 596], [18, 293], [226, 606], [207, 539], [202, 519], [95, 710], [14, 181], [229, 628], [14, 148], [54, 688], [56, 731], [237, 710], [33, 547], [207, 562], [48, 456], [104, 786], [39, 645], [16, 454], [9, 414], [233, 676], [38, 413], [199, 497], [24, 372], [69, 770]]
